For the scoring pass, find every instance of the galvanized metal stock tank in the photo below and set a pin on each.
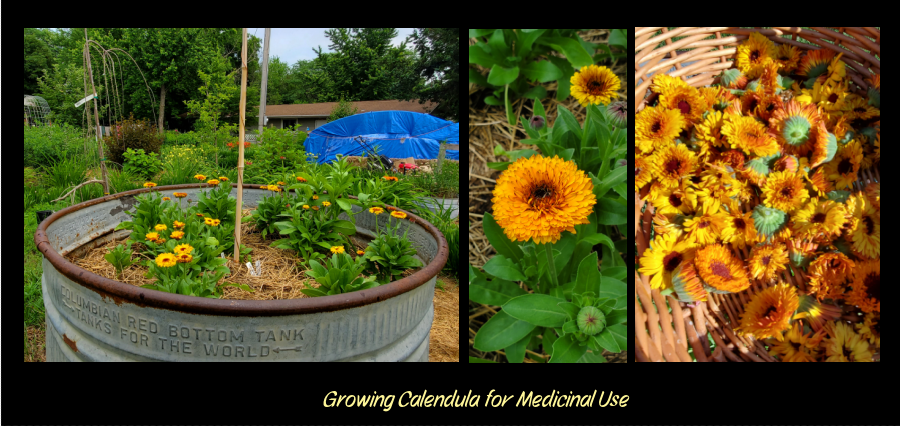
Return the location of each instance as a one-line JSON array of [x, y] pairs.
[[92, 318]]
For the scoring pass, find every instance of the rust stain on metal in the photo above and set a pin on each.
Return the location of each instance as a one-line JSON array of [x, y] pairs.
[[70, 342], [124, 293]]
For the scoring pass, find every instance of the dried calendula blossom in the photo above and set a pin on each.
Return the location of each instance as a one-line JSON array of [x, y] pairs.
[[540, 197]]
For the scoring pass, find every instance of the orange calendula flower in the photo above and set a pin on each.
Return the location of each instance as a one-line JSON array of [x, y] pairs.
[[391, 208], [795, 347], [594, 85], [866, 291], [213, 182], [390, 178], [360, 253], [749, 135], [721, 270], [326, 203], [337, 249], [223, 178], [315, 208], [315, 197], [160, 227], [149, 185], [153, 236], [767, 261], [870, 329], [179, 195], [657, 127], [819, 218], [769, 312], [300, 179], [828, 275], [184, 258], [199, 215], [754, 54], [707, 226], [865, 227], [166, 198], [376, 210], [539, 197], [398, 215], [687, 101], [280, 183], [183, 249], [177, 235], [200, 177], [305, 207], [178, 225]]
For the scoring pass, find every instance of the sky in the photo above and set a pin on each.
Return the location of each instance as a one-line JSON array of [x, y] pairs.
[[293, 44]]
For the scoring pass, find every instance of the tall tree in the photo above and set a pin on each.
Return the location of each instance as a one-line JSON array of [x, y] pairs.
[[364, 65], [38, 60], [438, 63]]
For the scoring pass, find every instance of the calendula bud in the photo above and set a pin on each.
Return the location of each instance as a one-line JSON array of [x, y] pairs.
[[617, 114], [537, 122], [591, 320]]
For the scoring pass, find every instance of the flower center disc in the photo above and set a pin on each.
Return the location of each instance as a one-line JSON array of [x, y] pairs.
[[721, 270], [870, 225], [656, 127], [673, 165], [819, 218], [684, 107], [671, 261], [845, 167], [873, 286], [596, 87]]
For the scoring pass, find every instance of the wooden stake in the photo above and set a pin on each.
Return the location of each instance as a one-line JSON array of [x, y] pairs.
[[240, 191], [87, 52]]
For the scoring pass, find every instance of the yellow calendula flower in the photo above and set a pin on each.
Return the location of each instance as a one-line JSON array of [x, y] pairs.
[[179, 195], [819, 218], [708, 226], [200, 177], [149, 185], [315, 208], [753, 55], [183, 249], [844, 345], [305, 207], [223, 178], [685, 100], [785, 191], [657, 127], [165, 260], [828, 275], [642, 173], [398, 215], [661, 259], [160, 227], [788, 57], [184, 258], [376, 210], [213, 182], [845, 166], [177, 235], [795, 347], [749, 135], [594, 85], [178, 225], [153, 236], [769, 312], [870, 329], [539, 197], [326, 203], [166, 198], [337, 249], [672, 163]]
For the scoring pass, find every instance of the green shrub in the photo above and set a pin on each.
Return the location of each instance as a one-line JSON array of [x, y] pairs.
[[178, 138], [134, 134], [440, 185], [143, 165], [122, 180], [47, 144]]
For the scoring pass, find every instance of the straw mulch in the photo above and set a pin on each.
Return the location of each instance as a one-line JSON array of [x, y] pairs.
[[34, 344], [488, 127], [444, 343]]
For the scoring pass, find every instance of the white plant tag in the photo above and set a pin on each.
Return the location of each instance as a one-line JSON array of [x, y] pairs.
[[258, 269]]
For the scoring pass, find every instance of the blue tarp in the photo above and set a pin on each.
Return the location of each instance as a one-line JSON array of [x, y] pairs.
[[397, 134]]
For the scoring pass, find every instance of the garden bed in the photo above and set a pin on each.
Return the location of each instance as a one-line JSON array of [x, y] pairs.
[[282, 271]]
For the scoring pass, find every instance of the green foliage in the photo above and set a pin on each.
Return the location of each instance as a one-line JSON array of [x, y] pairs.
[[390, 254], [178, 138], [365, 66], [442, 219], [342, 277], [438, 63], [62, 88], [121, 180], [48, 144], [513, 56], [342, 109], [181, 163], [120, 257], [268, 212], [143, 165], [66, 172], [309, 230], [280, 148], [439, 185], [401, 194], [133, 134]]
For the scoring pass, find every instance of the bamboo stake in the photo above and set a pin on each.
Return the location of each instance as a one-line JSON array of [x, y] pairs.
[[240, 191], [96, 115]]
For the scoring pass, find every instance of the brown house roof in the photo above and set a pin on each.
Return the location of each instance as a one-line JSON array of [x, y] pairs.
[[324, 109]]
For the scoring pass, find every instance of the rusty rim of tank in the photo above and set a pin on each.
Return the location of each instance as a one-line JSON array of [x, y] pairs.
[[125, 293]]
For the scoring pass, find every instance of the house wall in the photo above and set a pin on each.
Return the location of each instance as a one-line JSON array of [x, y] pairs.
[[278, 123]]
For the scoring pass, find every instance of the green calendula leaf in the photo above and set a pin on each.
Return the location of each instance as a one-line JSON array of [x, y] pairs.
[[567, 349], [515, 353], [494, 292], [500, 332], [618, 38], [473, 360], [542, 71], [499, 241], [501, 267], [501, 76], [610, 212], [571, 48], [588, 275], [611, 288], [617, 317], [538, 309], [613, 338]]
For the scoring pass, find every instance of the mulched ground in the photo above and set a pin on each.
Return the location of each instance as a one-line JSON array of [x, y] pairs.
[[488, 127]]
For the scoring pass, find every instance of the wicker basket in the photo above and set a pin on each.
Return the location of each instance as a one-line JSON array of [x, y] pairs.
[[664, 335]]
